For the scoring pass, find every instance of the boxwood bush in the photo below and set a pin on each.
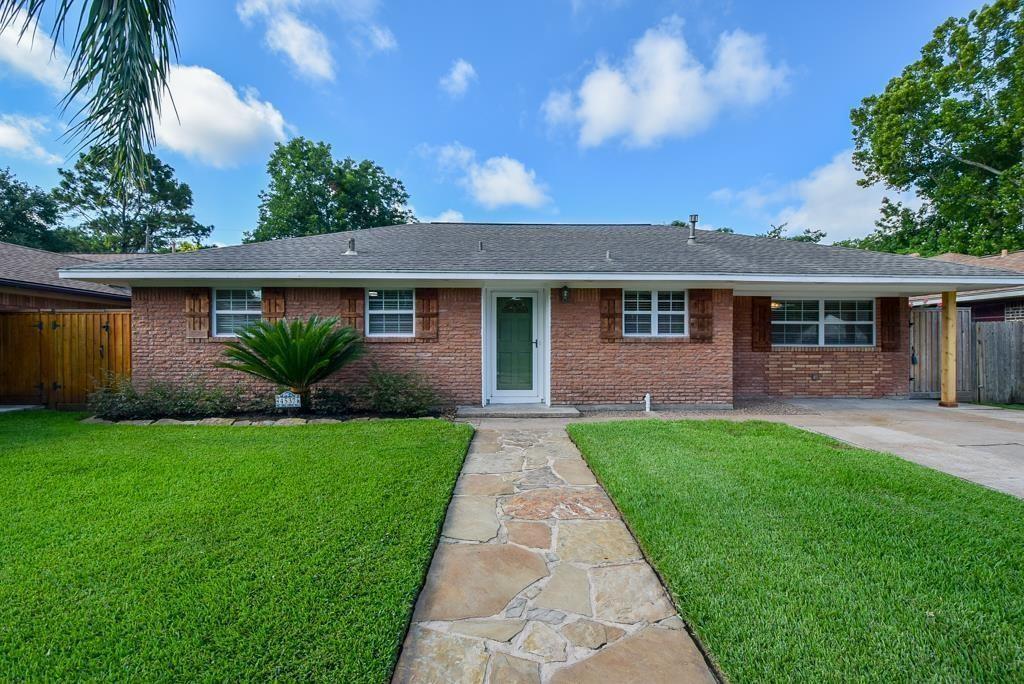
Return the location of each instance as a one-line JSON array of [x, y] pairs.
[[121, 399]]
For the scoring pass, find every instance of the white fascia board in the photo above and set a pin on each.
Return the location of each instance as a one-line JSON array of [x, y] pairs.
[[1009, 293], [119, 276]]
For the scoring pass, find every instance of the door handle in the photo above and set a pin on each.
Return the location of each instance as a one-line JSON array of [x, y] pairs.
[[535, 344]]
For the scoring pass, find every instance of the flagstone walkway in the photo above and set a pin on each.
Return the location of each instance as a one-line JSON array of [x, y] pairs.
[[537, 579]]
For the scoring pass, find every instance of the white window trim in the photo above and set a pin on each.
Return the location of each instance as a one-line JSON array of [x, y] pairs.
[[654, 313], [821, 322], [214, 310], [366, 311]]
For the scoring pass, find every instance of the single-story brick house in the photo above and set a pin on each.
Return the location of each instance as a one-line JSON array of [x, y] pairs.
[[555, 314]]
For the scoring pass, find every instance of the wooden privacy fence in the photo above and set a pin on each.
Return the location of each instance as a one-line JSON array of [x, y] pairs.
[[1000, 352], [57, 357], [925, 332]]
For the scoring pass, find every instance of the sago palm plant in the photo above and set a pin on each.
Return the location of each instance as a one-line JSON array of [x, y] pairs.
[[295, 354]]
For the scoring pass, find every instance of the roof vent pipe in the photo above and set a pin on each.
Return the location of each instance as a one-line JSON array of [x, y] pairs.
[[351, 251], [692, 240]]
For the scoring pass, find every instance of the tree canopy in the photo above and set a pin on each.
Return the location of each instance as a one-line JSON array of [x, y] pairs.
[[951, 129], [778, 232], [28, 215], [111, 215], [310, 193]]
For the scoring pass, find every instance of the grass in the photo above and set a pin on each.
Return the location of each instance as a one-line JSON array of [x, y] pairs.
[[1013, 407], [215, 553], [798, 558]]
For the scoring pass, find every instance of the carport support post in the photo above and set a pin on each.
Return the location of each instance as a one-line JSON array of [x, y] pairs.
[[948, 340]]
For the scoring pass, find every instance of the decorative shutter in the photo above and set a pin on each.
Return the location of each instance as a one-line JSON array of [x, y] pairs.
[[273, 303], [701, 316], [611, 313], [197, 314], [761, 323], [426, 313], [890, 333], [352, 312]]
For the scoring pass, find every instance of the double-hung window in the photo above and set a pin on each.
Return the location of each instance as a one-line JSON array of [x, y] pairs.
[[390, 313], [235, 309], [654, 313], [823, 322]]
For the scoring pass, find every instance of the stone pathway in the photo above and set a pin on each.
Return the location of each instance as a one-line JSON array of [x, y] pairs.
[[537, 579]]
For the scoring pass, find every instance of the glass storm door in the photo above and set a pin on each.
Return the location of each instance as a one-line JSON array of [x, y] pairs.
[[515, 338]]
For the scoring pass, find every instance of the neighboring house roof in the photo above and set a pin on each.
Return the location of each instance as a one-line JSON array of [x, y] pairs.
[[1007, 261], [29, 267], [478, 250]]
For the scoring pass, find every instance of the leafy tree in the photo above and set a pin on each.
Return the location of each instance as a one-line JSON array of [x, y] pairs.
[[295, 354], [312, 193], [951, 128], [124, 216], [119, 63], [778, 232], [28, 215]]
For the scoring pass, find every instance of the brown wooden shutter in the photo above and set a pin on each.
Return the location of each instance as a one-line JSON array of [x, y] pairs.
[[426, 313], [761, 323], [273, 303], [352, 313], [890, 333], [611, 313], [701, 317], [197, 313]]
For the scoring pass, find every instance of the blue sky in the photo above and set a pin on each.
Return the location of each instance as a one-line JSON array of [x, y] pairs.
[[546, 110]]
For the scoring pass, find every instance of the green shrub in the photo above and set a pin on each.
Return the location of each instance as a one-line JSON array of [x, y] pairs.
[[397, 394], [123, 400], [332, 402]]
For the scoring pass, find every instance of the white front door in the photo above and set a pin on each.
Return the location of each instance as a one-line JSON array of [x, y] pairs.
[[515, 347]]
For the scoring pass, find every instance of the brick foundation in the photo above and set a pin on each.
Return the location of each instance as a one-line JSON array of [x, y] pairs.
[[817, 372], [588, 370]]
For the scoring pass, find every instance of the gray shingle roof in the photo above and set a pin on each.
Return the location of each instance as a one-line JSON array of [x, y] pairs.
[[541, 248], [29, 266]]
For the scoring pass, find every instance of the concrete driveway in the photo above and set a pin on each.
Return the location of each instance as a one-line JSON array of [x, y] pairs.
[[978, 443]]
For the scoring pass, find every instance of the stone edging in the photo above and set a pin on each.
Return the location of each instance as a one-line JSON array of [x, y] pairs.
[[218, 422]]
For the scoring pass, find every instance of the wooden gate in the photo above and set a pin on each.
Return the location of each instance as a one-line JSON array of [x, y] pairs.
[[925, 333], [57, 357], [1000, 362]]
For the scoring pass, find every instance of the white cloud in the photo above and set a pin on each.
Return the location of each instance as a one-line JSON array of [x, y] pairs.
[[32, 54], [496, 182], [458, 78], [662, 90], [446, 216], [217, 125], [18, 137], [290, 31], [303, 44], [828, 199]]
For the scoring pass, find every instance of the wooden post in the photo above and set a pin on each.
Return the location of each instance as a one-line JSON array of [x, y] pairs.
[[948, 346]]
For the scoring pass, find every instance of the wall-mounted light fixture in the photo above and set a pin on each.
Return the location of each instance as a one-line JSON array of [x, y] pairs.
[[565, 294]]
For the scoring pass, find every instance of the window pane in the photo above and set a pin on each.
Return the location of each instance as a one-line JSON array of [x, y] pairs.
[[671, 324], [849, 333], [795, 310], [238, 300], [791, 333], [390, 300], [637, 324], [391, 324], [231, 324], [637, 300], [849, 311], [671, 301]]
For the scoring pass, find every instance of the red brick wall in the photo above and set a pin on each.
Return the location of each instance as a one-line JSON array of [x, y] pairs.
[[160, 350], [588, 370], [817, 372]]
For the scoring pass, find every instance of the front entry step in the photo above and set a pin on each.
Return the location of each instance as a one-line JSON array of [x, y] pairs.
[[517, 411]]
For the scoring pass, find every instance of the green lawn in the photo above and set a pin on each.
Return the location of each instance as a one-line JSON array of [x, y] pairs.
[[799, 558], [215, 553]]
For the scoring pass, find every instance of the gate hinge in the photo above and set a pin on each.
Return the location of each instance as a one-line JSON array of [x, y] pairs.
[[38, 326], [54, 325]]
